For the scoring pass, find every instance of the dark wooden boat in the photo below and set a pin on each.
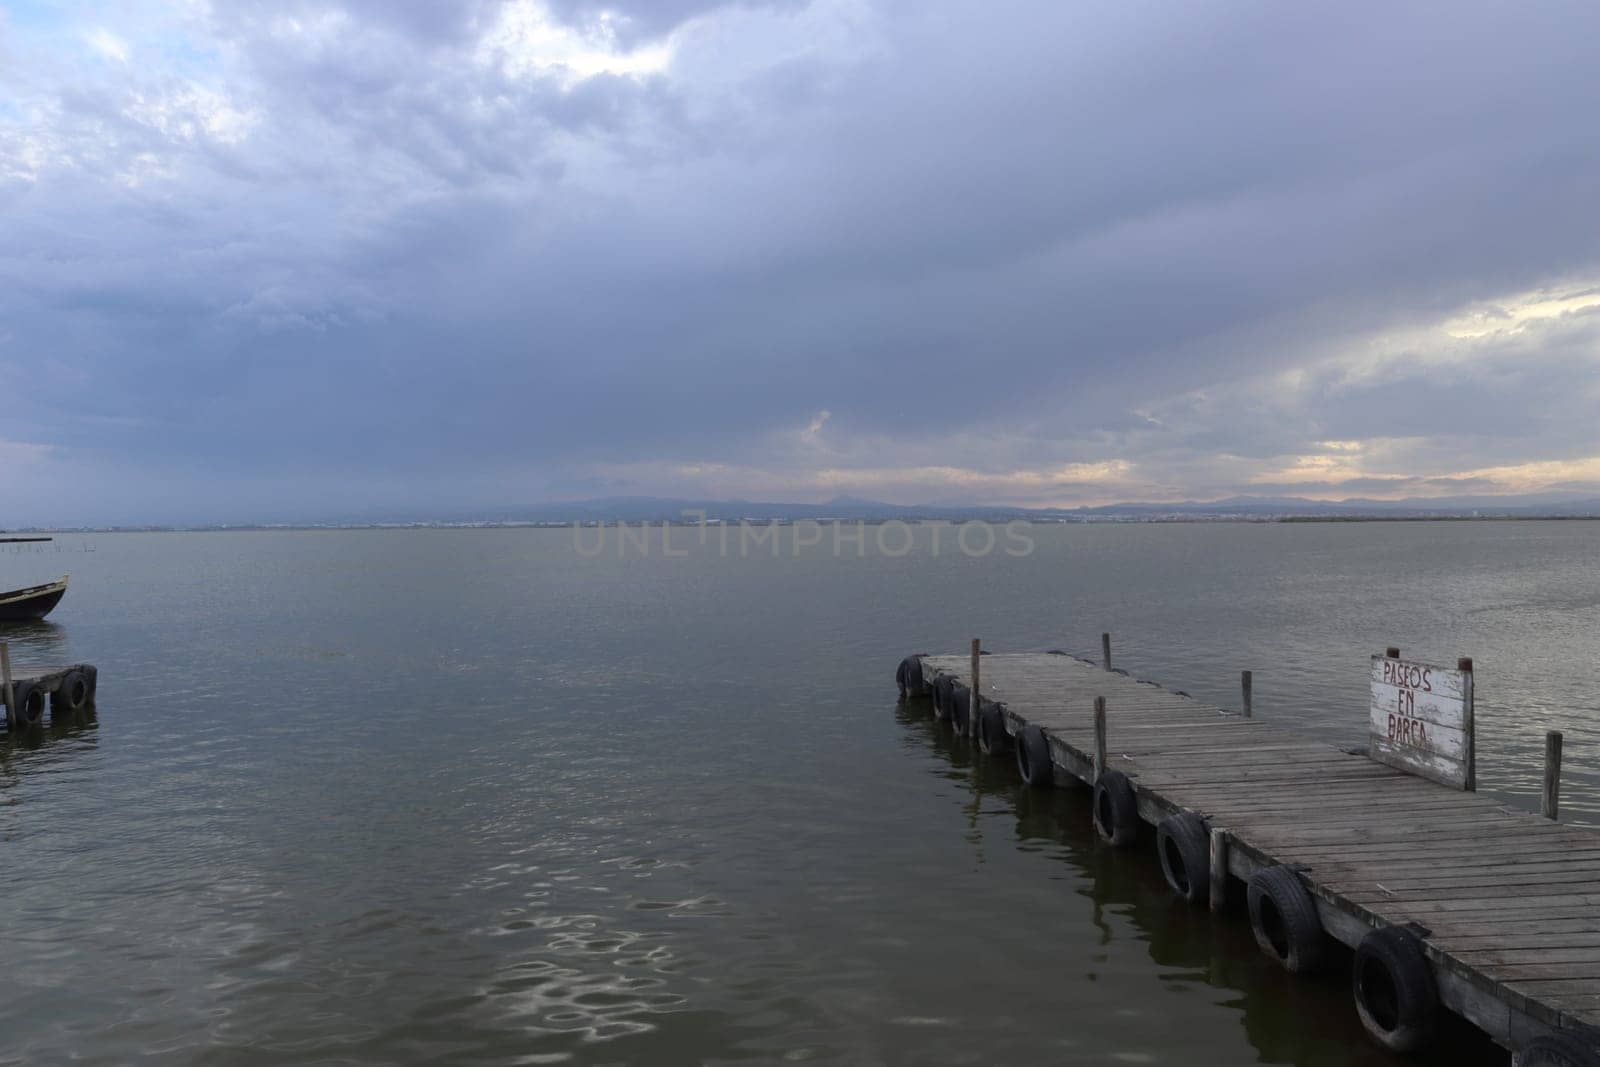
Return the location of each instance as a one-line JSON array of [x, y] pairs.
[[35, 602]]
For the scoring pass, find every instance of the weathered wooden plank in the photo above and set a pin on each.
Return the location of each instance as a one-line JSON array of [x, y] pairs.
[[1267, 783], [1344, 799], [1578, 935], [1499, 909], [1506, 849], [1376, 888], [1403, 871], [1413, 830], [1563, 953], [1398, 880]]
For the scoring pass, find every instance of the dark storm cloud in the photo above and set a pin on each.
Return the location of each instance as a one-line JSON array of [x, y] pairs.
[[482, 249]]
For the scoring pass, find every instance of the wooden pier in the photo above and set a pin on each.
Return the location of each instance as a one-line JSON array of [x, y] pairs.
[[1501, 907], [68, 691]]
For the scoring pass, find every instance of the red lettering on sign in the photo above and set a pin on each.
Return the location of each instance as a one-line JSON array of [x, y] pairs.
[[1408, 676], [1407, 731]]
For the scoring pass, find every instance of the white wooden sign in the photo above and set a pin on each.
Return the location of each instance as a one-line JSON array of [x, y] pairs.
[[1422, 720]]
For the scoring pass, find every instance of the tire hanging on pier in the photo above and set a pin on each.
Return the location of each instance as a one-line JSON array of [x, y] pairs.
[[1116, 809], [1394, 990], [1557, 1050], [908, 676], [73, 695], [992, 736], [941, 697], [960, 707], [1033, 758], [29, 711], [1183, 844], [1284, 919]]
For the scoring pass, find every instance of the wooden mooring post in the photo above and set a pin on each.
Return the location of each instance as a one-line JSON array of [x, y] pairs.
[[1246, 681], [5, 678], [1099, 737], [1105, 651], [1219, 867], [1464, 665], [1551, 805], [973, 699]]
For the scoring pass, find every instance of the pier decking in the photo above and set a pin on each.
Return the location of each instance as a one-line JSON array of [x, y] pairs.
[[1506, 903]]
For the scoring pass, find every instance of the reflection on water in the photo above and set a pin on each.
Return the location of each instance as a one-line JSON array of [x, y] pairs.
[[450, 796], [1285, 1019], [61, 734], [38, 642]]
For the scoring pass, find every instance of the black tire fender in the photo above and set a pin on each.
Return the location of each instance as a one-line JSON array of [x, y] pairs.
[[1557, 1050], [941, 697], [1284, 919], [908, 676], [1116, 809], [1033, 758], [1183, 844], [1394, 990], [960, 707], [29, 711], [992, 736], [73, 695], [916, 684]]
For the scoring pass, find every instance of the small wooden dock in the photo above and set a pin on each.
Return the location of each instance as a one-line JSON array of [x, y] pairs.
[[67, 690], [1504, 904]]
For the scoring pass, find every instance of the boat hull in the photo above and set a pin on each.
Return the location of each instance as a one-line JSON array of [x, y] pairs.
[[24, 605]]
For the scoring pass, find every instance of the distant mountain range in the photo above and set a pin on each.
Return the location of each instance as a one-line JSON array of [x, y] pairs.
[[662, 509], [637, 509]]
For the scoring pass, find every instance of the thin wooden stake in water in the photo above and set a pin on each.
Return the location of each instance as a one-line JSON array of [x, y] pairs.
[[5, 679], [1099, 737], [1245, 681], [1105, 651], [1219, 867], [1552, 774], [972, 708], [1464, 665]]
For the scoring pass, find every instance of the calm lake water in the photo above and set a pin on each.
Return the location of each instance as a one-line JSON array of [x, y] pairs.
[[469, 797]]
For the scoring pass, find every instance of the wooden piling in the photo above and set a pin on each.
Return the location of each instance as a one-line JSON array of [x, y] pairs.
[[1551, 807], [1099, 737], [1219, 866], [1105, 651], [972, 706], [1245, 683], [5, 679], [1464, 665]]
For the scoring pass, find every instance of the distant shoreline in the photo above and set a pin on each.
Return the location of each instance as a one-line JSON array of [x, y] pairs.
[[1163, 520]]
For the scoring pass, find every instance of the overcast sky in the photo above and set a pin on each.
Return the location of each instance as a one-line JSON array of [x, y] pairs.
[[309, 259]]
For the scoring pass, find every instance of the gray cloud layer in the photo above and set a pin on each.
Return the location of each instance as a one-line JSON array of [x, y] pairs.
[[279, 261]]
